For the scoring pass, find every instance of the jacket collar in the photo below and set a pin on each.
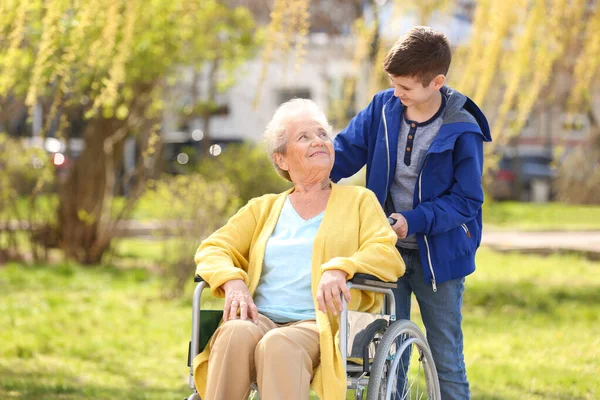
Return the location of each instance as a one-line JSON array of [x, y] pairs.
[[461, 115]]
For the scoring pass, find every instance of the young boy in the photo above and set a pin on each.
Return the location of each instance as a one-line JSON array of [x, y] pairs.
[[422, 143]]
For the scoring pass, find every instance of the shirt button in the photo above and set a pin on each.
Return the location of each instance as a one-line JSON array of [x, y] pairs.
[[408, 149], [410, 136], [412, 125]]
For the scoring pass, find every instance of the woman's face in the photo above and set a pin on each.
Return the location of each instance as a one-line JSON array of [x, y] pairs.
[[309, 151]]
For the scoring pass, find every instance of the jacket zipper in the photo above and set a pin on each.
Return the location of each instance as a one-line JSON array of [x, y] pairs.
[[387, 144], [433, 284], [464, 226], [387, 147]]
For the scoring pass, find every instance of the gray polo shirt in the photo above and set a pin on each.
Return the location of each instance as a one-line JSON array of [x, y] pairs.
[[413, 142]]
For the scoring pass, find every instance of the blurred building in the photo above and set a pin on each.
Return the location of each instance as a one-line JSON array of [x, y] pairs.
[[250, 103], [321, 74]]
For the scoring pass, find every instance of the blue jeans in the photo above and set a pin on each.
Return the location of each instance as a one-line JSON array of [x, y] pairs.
[[442, 317]]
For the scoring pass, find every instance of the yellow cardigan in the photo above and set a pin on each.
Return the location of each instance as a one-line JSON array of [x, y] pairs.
[[354, 237]]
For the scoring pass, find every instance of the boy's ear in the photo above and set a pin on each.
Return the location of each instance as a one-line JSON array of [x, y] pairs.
[[438, 81], [280, 161]]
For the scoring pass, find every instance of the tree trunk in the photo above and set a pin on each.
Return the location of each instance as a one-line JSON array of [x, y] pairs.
[[87, 193]]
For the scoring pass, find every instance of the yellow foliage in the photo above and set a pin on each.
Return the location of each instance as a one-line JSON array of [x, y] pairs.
[[193, 208], [51, 33], [86, 217], [116, 75], [289, 23], [587, 64], [525, 50], [24, 174], [13, 53]]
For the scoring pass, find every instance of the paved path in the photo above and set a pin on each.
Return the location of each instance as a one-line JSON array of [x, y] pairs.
[[587, 242]]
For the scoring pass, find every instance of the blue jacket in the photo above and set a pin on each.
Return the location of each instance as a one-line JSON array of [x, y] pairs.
[[448, 194]]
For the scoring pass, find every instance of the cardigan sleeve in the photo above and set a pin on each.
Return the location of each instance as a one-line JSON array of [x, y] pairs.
[[377, 254], [224, 255]]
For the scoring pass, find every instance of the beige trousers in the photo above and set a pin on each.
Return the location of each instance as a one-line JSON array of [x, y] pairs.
[[280, 358]]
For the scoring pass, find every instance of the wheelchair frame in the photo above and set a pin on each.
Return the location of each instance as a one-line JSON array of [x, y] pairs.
[[360, 282]]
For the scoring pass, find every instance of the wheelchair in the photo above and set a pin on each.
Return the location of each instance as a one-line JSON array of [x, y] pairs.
[[375, 348]]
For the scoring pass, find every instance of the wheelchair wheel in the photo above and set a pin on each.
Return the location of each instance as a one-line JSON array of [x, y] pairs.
[[403, 344]]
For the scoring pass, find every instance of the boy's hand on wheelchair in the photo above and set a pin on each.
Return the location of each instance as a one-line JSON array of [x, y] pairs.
[[331, 287], [401, 225], [237, 297]]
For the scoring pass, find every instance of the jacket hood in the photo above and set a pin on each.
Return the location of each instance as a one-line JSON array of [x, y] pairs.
[[461, 109]]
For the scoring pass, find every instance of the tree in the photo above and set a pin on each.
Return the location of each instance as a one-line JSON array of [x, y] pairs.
[[522, 57], [109, 63], [538, 53], [538, 57], [222, 40]]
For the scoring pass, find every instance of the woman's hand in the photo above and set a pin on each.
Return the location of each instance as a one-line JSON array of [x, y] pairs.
[[331, 287], [237, 296]]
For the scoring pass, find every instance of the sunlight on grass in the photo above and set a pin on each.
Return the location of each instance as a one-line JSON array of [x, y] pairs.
[[549, 216], [531, 327], [499, 214], [90, 333]]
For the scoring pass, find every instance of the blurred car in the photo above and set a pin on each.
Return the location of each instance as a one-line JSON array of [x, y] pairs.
[[181, 151], [523, 178], [62, 153]]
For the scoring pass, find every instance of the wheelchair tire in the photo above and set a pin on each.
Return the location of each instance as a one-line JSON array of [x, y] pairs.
[[402, 336]]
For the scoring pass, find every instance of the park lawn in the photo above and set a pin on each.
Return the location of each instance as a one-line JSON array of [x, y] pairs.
[[498, 214], [531, 331], [102, 333], [541, 217], [532, 327]]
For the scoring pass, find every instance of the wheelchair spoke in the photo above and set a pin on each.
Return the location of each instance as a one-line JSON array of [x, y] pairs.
[[413, 379], [403, 366]]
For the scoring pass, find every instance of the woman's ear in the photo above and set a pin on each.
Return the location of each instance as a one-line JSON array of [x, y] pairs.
[[280, 161]]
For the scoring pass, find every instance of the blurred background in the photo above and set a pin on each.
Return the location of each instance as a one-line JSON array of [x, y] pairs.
[[131, 130]]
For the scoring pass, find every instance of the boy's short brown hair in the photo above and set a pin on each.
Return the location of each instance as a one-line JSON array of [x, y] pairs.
[[421, 53]]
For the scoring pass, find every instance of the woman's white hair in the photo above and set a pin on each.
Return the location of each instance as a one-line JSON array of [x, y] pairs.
[[276, 133]]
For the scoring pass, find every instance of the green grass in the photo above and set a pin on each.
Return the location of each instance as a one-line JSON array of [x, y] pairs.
[[500, 215], [532, 327], [509, 215], [503, 215], [541, 217], [142, 250], [48, 202], [42, 211], [532, 331], [72, 333]]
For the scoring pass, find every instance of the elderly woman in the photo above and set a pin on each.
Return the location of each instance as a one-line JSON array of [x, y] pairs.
[[282, 263]]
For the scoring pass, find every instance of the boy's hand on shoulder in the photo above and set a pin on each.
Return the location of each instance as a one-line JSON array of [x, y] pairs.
[[401, 225]]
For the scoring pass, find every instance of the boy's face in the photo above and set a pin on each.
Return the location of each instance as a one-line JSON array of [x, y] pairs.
[[412, 92]]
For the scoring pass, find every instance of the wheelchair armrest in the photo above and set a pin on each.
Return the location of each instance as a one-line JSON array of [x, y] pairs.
[[366, 279], [359, 279]]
